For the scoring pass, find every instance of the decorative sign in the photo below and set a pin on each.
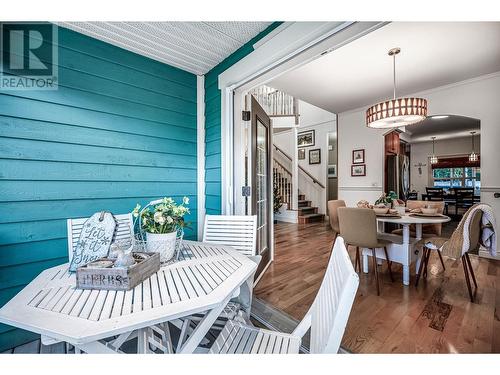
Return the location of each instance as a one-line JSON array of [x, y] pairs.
[[95, 239]]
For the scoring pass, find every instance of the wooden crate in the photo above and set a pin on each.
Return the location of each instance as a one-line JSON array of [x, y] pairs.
[[127, 278]]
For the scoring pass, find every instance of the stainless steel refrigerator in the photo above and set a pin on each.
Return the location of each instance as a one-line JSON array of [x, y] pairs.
[[398, 175]]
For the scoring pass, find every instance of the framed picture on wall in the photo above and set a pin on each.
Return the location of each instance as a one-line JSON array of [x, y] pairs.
[[358, 156], [358, 170], [305, 139], [302, 154], [315, 156]]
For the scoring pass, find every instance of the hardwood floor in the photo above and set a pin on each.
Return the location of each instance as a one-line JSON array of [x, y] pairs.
[[436, 317]]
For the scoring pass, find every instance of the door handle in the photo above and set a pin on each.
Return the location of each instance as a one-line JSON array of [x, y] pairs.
[[496, 195]]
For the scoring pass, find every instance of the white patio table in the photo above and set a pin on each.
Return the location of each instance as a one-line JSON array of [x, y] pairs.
[[204, 281], [405, 252]]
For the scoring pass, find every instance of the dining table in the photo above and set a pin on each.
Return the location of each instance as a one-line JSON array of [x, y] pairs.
[[402, 249], [202, 281]]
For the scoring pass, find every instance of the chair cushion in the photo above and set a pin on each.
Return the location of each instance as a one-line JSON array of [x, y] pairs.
[[386, 239]]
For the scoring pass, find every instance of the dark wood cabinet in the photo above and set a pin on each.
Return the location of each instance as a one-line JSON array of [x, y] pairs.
[[392, 143]]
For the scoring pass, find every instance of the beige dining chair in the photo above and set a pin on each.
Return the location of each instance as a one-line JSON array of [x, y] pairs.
[[358, 227], [333, 205], [437, 244], [428, 230]]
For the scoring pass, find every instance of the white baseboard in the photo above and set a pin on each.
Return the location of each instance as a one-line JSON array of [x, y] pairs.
[[288, 216]]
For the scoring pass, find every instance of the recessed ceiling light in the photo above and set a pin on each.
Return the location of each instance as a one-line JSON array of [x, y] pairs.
[[439, 117]]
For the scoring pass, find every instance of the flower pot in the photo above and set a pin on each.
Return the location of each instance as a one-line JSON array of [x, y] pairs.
[[163, 243]]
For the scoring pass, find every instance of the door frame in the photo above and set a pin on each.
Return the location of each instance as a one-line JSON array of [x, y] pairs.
[[282, 52], [258, 114]]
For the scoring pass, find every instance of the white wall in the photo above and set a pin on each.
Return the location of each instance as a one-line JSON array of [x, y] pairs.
[[322, 122], [447, 147], [478, 98]]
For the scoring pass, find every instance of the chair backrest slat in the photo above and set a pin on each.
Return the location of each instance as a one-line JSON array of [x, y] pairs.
[[124, 230], [332, 305], [237, 231]]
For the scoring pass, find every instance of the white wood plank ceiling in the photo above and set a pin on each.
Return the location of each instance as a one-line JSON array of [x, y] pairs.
[[193, 46]]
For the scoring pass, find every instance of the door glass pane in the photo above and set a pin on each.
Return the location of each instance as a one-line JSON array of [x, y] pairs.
[[261, 185]]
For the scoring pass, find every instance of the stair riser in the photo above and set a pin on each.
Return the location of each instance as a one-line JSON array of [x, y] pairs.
[[305, 204], [308, 210], [307, 220]]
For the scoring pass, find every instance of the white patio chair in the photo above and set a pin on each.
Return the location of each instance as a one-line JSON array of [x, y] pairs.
[[327, 316], [124, 230], [239, 232]]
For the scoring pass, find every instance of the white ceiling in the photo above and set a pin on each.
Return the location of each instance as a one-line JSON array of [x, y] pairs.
[[441, 127], [360, 73], [193, 46]]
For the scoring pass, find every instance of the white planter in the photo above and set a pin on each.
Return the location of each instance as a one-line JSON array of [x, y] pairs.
[[162, 243]]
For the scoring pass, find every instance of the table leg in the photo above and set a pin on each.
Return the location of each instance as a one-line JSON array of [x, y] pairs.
[[407, 247], [365, 262], [418, 234], [202, 328]]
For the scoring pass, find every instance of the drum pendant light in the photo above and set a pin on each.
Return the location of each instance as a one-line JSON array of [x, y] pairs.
[[398, 111]]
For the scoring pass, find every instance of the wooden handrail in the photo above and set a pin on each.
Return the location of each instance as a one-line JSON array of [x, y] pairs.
[[302, 169]]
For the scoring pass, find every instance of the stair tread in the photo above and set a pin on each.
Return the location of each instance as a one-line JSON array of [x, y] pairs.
[[312, 215]]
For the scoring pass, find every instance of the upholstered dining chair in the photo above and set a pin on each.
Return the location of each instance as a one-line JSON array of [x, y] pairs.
[[438, 243], [428, 230], [334, 216], [358, 227]]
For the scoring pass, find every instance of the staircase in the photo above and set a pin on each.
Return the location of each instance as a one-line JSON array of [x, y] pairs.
[[305, 212], [308, 214]]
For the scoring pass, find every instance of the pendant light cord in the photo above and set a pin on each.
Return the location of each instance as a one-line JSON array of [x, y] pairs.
[[394, 75]]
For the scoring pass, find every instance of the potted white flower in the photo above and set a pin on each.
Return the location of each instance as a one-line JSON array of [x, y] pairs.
[[161, 225]]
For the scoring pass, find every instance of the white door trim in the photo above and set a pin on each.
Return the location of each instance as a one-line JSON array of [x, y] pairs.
[[200, 151], [295, 44]]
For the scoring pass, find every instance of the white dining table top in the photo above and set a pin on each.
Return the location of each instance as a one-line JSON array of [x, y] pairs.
[[52, 306], [408, 219]]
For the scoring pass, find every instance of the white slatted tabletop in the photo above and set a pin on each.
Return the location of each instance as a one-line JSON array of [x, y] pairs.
[[205, 278]]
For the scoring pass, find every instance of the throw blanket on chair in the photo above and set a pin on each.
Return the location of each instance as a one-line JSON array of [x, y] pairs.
[[459, 242]]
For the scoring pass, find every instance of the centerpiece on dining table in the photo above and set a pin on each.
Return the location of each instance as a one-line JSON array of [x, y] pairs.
[[162, 221], [386, 205]]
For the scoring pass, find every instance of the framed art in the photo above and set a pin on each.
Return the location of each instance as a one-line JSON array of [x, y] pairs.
[[358, 170], [305, 139], [315, 156], [358, 156], [302, 154]]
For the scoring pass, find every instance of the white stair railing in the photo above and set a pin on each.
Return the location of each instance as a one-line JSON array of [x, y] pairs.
[[282, 178], [277, 103]]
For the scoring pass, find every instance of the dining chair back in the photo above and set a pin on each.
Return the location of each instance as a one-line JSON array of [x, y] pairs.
[[412, 196], [435, 193], [358, 226], [327, 317], [239, 232], [464, 198], [333, 214], [434, 229], [124, 230]]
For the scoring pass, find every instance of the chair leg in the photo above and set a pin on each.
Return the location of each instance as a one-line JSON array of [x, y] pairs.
[[422, 263], [427, 262], [359, 258], [388, 263], [375, 268], [356, 260], [471, 271], [441, 259], [466, 273]]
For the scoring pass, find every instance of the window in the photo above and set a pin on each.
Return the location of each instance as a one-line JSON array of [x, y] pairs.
[[448, 178]]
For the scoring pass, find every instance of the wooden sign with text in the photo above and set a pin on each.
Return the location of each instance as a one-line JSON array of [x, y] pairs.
[[94, 241]]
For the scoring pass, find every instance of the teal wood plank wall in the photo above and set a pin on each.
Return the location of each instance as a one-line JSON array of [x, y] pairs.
[[120, 129], [213, 123]]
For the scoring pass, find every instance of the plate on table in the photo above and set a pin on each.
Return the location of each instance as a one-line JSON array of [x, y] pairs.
[[391, 215], [419, 214]]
